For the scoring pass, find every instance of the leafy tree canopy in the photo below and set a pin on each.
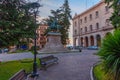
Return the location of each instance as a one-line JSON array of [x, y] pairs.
[[63, 16], [115, 18], [16, 22]]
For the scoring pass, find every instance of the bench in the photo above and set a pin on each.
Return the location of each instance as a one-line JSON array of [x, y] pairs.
[[48, 60], [21, 75]]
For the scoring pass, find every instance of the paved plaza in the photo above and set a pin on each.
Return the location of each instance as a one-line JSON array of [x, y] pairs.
[[72, 66]]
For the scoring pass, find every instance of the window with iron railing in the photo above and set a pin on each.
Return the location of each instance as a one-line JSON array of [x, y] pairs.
[[97, 25], [81, 30], [80, 21], [91, 28], [106, 9], [75, 32], [85, 19], [85, 29], [97, 14], [107, 22], [90, 16], [75, 24]]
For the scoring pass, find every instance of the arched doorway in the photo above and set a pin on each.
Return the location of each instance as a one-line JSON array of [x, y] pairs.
[[86, 41], [92, 40], [76, 42], [98, 38], [81, 41]]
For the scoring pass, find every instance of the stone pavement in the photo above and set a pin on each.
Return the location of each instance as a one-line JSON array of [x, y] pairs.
[[73, 66]]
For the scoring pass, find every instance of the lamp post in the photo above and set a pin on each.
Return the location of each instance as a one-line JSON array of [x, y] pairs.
[[35, 6]]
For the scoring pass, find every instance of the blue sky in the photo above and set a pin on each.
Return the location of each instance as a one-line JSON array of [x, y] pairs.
[[77, 6]]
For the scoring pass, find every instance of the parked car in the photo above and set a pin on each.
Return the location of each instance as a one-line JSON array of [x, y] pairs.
[[69, 47], [24, 47], [4, 50], [78, 47], [1, 51], [93, 48]]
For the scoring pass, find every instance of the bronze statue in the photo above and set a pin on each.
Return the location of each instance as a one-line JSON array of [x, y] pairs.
[[54, 26]]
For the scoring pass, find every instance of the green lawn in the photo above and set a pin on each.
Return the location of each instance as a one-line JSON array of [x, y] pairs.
[[99, 73], [8, 69]]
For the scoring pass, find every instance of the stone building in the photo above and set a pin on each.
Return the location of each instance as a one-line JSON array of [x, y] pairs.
[[91, 26]]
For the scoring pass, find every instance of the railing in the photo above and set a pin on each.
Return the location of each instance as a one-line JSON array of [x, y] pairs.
[[97, 30], [104, 28]]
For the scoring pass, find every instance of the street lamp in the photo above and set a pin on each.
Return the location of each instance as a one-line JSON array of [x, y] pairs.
[[34, 7]]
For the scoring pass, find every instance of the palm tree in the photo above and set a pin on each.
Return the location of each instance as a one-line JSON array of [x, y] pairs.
[[110, 53]]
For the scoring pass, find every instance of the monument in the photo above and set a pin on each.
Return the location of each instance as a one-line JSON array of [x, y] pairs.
[[54, 44]]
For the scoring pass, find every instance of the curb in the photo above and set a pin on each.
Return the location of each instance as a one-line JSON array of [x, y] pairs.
[[40, 53], [92, 77], [91, 73]]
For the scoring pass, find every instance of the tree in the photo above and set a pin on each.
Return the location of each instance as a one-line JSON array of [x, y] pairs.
[[110, 55], [62, 15], [109, 51], [115, 18], [65, 21], [16, 22]]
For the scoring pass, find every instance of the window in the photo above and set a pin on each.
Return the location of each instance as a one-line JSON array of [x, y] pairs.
[[85, 29], [97, 25], [85, 19], [97, 14], [75, 31], [90, 16], [81, 29], [81, 21], [75, 24], [106, 8], [91, 28], [107, 22]]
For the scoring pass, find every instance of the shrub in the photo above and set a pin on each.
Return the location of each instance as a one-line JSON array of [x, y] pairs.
[[110, 53]]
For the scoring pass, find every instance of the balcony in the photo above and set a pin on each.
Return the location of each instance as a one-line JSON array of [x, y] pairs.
[[104, 28]]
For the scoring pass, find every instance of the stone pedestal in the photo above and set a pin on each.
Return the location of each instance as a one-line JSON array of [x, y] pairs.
[[53, 44]]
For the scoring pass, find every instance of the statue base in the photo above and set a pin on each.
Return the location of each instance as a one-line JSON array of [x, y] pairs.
[[54, 44]]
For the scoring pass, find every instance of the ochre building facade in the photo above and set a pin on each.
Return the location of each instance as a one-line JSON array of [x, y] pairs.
[[91, 26], [41, 38]]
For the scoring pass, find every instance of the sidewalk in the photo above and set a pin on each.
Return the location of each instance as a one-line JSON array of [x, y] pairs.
[[16, 56]]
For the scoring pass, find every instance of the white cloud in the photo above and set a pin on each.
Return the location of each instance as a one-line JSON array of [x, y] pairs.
[[49, 5]]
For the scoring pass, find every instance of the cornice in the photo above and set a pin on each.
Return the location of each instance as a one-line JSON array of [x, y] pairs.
[[93, 7]]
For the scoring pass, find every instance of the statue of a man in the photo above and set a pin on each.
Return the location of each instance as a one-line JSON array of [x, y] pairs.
[[54, 26]]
